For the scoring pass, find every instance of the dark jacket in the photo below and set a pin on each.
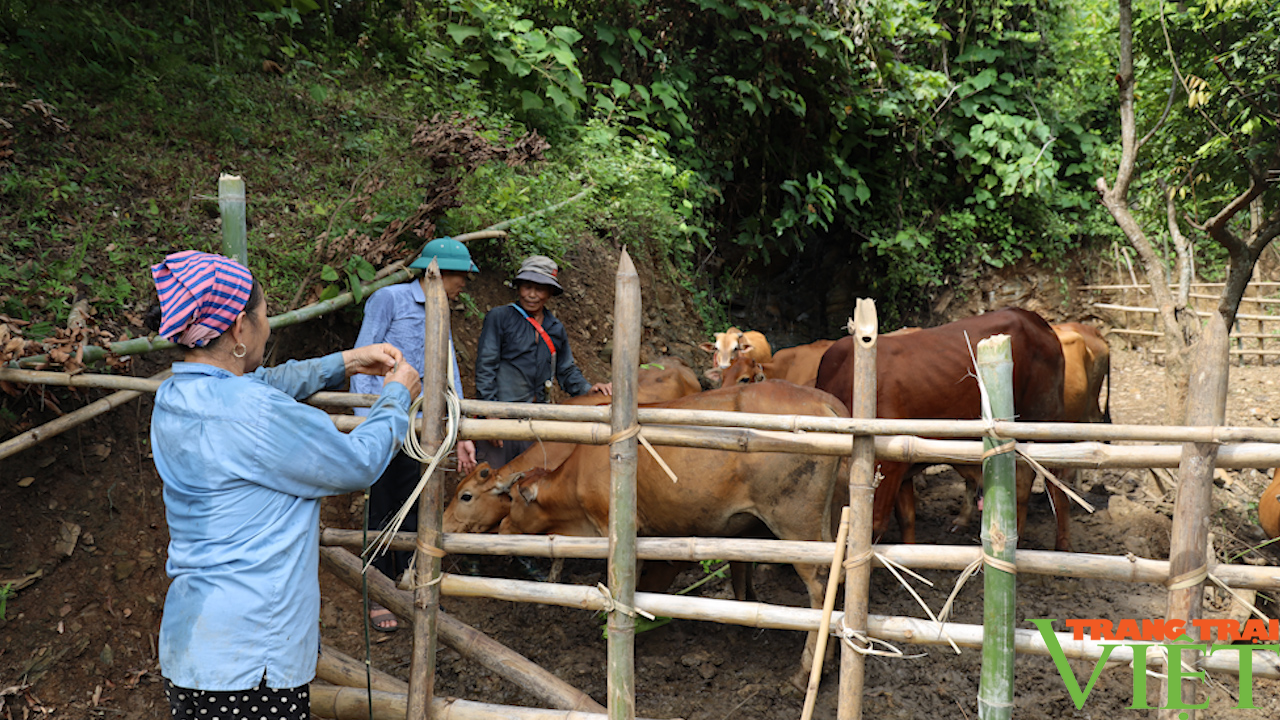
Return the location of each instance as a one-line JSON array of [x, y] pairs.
[[513, 363]]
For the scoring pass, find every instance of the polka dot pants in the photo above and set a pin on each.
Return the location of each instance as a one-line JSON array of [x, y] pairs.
[[261, 703]]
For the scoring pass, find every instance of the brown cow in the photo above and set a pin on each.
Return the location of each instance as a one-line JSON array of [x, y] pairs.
[[1087, 366], [797, 365], [929, 375], [481, 500], [1269, 507], [732, 343], [719, 493]]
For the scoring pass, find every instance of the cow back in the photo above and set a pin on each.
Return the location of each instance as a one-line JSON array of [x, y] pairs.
[[929, 374]]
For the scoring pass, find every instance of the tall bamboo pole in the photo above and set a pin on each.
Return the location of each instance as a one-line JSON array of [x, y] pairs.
[[1206, 405], [235, 234], [862, 488], [426, 592], [999, 535], [622, 493]]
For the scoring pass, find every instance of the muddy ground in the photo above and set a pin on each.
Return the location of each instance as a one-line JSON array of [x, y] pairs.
[[82, 533]]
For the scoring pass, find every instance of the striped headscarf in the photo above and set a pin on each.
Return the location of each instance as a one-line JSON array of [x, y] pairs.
[[200, 295]]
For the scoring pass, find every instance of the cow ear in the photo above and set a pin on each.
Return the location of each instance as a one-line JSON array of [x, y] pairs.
[[485, 472], [529, 492], [744, 346], [707, 347], [713, 375], [760, 376]]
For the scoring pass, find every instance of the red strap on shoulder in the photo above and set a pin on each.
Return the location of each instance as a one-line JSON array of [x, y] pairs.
[[545, 337]]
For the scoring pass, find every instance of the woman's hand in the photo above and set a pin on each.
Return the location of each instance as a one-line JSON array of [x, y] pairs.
[[371, 359], [404, 374], [602, 388]]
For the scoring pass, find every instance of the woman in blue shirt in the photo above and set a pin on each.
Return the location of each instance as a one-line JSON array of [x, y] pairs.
[[244, 465]]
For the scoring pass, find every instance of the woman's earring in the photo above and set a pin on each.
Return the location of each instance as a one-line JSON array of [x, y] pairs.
[[240, 350]]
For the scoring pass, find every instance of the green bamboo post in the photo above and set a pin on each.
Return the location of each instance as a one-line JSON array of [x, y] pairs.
[[862, 488], [999, 536], [235, 233], [138, 346], [426, 588], [622, 494]]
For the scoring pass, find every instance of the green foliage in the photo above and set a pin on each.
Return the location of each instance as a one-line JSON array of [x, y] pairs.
[[352, 278]]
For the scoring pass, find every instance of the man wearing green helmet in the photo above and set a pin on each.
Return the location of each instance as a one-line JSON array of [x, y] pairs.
[[397, 314]]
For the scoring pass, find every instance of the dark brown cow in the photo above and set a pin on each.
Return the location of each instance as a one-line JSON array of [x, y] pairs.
[[719, 493], [929, 374], [481, 500], [797, 365]]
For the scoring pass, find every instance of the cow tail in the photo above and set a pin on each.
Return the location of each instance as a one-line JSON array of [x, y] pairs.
[[1106, 410]]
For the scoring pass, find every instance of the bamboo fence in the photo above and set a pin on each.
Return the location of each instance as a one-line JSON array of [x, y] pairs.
[[999, 533]]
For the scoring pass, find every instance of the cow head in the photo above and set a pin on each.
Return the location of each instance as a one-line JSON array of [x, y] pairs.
[[525, 515], [726, 347], [743, 371], [481, 501]]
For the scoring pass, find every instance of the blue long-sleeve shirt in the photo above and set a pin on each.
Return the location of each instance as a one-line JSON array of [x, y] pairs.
[[244, 467], [397, 314]]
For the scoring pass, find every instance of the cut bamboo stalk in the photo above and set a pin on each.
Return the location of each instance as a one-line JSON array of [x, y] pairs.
[[759, 615], [1206, 405], [339, 668], [231, 204], [622, 491], [999, 533], [790, 552], [862, 483], [342, 703], [824, 627], [56, 427], [426, 564], [467, 641]]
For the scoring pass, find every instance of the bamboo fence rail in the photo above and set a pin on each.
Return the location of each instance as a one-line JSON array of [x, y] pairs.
[[900, 629], [527, 426], [919, 557]]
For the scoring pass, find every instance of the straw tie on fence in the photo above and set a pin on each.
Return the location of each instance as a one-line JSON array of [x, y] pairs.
[[634, 432]]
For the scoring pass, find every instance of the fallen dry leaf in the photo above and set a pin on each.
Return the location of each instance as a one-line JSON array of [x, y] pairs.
[[26, 481]]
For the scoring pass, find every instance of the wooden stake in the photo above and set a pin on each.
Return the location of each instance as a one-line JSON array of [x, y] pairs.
[[467, 641], [622, 499], [1206, 405], [999, 535], [426, 593], [862, 488], [824, 627]]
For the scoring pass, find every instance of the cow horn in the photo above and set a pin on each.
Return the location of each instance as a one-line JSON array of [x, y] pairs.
[[505, 487]]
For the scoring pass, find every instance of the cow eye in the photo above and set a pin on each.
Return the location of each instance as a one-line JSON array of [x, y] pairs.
[[465, 497]]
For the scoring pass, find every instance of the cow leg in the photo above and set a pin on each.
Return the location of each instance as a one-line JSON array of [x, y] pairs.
[[972, 475], [905, 510], [740, 574], [810, 574], [886, 500]]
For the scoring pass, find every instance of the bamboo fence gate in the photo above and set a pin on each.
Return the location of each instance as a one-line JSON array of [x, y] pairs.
[[893, 439]]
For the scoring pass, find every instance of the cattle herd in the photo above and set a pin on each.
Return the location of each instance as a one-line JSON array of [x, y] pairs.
[[561, 488]]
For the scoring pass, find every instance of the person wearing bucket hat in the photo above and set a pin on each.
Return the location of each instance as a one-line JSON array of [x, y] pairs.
[[522, 348], [397, 315]]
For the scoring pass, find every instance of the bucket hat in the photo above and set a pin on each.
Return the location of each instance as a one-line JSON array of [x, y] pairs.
[[540, 269], [449, 255]]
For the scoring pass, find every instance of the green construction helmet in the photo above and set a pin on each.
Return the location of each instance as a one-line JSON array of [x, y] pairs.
[[449, 255]]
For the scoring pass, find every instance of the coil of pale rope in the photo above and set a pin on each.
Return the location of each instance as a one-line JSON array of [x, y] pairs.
[[413, 448]]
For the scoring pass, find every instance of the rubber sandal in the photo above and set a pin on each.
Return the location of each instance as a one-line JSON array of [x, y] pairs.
[[379, 617]]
